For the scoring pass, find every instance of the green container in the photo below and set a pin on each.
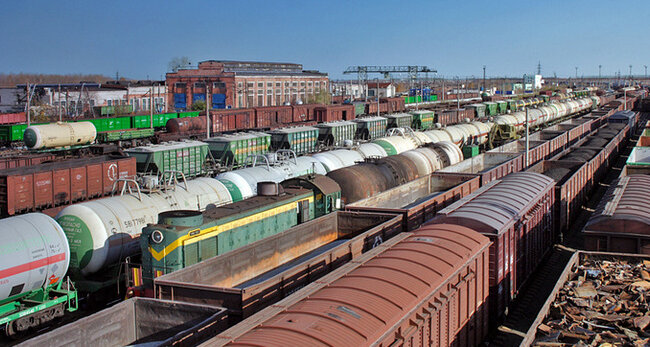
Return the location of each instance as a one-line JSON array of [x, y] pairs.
[[12, 132], [160, 120], [120, 135], [232, 150], [470, 151], [221, 230], [141, 121], [301, 140], [502, 106], [422, 119], [433, 97], [335, 133], [479, 110], [359, 108], [399, 120], [369, 128], [188, 114], [491, 108], [188, 157]]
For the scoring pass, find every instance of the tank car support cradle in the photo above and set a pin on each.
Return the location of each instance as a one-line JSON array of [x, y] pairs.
[[39, 307]]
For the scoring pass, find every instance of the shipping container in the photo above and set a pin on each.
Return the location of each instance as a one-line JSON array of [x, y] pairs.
[[48, 185], [187, 157]]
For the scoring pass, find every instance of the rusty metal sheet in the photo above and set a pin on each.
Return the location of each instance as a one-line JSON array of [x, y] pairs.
[[376, 301]]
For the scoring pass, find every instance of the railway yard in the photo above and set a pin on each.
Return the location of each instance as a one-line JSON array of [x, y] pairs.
[[519, 220]]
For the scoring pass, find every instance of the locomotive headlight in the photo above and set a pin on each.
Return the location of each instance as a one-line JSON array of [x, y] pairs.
[[157, 236]]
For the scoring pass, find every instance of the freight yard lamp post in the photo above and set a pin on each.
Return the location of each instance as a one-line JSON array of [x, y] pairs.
[[378, 96], [207, 111]]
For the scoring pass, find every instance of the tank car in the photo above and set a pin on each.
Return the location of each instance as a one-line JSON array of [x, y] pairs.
[[60, 134]]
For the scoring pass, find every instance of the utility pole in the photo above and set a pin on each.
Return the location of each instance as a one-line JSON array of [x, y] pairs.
[[207, 112], [645, 76], [28, 105], [527, 143], [599, 78], [457, 93], [576, 73], [58, 108], [484, 88], [151, 106], [378, 97]]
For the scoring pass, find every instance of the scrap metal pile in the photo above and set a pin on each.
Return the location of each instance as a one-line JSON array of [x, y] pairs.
[[604, 303]]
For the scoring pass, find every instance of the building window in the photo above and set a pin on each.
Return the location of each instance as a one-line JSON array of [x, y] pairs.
[[250, 85], [260, 84], [309, 84], [240, 85], [294, 84], [269, 84], [286, 84], [310, 91], [108, 102], [278, 84], [179, 85], [219, 85], [260, 92], [317, 84], [302, 83], [199, 85], [269, 100], [240, 99], [136, 105], [260, 100], [278, 91]]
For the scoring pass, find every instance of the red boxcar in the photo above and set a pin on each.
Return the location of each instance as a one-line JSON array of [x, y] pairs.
[[273, 117], [304, 113], [12, 118], [236, 119], [48, 185], [330, 113], [516, 214]]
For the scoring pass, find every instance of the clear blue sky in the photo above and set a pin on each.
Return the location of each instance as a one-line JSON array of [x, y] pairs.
[[139, 38]]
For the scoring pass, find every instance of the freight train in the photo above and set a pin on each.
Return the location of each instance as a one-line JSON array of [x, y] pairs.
[[119, 243]]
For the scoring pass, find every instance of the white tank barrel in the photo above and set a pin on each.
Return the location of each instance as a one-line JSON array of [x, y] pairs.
[[59, 134], [102, 231], [34, 254]]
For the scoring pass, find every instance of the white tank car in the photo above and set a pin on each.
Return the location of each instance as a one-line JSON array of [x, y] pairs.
[[102, 231], [34, 253], [59, 134]]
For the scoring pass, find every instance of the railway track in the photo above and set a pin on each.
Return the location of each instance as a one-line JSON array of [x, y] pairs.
[[524, 310]]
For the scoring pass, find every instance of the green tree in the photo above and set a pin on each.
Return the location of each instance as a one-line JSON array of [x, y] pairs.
[[198, 105], [320, 97]]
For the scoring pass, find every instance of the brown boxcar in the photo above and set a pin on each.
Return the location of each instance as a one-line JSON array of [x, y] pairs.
[[621, 222], [12, 118], [516, 213], [48, 185], [371, 108], [571, 188], [447, 117], [24, 160], [255, 276], [272, 117], [232, 120], [488, 166], [331, 113], [428, 289], [418, 201], [303, 113]]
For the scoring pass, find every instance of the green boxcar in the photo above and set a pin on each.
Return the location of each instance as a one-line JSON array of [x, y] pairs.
[[502, 106], [160, 120], [470, 151], [512, 105], [188, 157], [433, 97], [370, 128], [110, 123], [232, 150], [12, 132], [422, 119], [188, 114], [335, 133], [121, 135], [301, 140], [359, 108], [491, 108], [188, 237], [479, 110], [399, 120]]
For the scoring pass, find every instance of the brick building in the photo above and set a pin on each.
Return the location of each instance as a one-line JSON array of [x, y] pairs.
[[237, 84]]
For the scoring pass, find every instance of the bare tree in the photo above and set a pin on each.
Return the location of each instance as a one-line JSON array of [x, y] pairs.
[[178, 63]]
